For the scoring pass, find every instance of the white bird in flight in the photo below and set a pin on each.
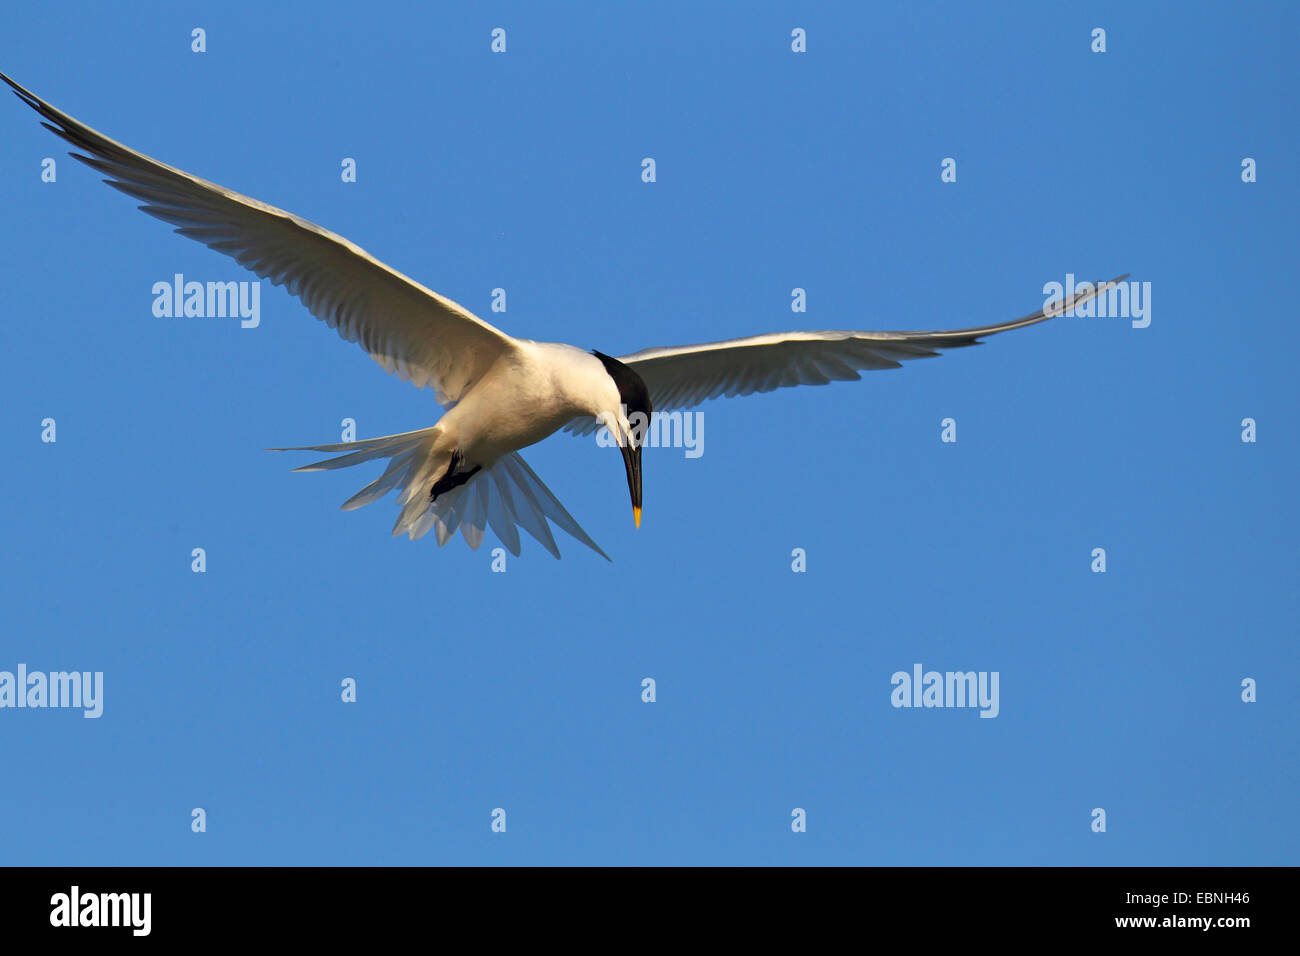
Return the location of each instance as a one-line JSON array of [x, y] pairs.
[[500, 393]]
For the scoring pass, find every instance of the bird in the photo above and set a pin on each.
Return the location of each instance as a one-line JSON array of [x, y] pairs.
[[499, 393]]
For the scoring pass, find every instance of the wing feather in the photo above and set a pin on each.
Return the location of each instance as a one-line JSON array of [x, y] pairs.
[[685, 375], [408, 329]]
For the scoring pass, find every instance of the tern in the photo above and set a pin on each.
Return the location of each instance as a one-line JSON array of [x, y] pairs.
[[500, 393]]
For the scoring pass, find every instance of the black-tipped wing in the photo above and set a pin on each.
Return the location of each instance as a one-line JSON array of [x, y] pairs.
[[412, 331]]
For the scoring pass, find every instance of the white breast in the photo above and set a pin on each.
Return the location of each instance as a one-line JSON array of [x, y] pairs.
[[527, 395]]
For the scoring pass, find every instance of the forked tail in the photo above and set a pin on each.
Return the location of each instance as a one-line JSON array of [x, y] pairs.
[[507, 496]]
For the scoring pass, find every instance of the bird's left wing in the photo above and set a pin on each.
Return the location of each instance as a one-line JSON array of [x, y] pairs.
[[682, 376], [412, 331]]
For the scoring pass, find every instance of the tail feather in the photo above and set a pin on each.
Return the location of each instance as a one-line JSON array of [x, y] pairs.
[[474, 523], [444, 520], [415, 503], [549, 504], [396, 471], [506, 497], [529, 514], [344, 461], [500, 514], [364, 444], [366, 449]]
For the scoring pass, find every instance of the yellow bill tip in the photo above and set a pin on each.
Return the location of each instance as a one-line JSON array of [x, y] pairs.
[[636, 514]]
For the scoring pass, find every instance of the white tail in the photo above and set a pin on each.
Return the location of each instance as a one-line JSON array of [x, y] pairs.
[[507, 496]]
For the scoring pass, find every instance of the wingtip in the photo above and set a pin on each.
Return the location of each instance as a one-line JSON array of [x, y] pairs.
[[20, 91]]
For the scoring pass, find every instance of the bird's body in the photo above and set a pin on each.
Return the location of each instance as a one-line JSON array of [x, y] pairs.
[[529, 393], [501, 393]]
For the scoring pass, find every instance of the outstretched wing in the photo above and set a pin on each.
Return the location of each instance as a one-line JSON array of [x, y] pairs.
[[682, 376], [412, 331]]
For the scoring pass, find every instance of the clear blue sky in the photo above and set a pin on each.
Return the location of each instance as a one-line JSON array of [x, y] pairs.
[[522, 690]]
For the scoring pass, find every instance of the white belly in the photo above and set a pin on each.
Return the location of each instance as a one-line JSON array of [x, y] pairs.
[[526, 397]]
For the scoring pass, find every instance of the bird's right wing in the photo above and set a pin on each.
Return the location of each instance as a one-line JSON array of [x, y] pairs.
[[412, 331], [682, 376]]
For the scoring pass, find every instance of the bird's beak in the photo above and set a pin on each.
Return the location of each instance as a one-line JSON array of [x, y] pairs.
[[632, 459]]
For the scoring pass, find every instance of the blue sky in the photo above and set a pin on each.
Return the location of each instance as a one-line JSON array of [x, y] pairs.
[[522, 690]]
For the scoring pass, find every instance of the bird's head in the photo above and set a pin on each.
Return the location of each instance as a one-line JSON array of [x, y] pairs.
[[628, 423]]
